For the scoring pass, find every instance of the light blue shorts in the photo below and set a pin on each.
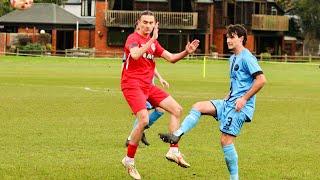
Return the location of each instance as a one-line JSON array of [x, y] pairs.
[[231, 121], [149, 106]]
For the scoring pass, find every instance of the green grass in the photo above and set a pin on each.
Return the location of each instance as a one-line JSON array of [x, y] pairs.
[[53, 128]]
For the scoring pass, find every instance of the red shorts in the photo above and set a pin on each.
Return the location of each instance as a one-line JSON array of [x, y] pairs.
[[137, 97]]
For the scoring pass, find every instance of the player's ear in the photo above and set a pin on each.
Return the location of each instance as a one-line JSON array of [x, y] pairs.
[[241, 38]]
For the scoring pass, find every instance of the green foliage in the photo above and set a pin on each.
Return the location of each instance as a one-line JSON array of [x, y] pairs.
[[48, 46], [5, 7], [295, 28], [265, 56], [23, 39], [309, 11], [286, 5], [53, 128], [44, 38], [32, 48], [213, 48]]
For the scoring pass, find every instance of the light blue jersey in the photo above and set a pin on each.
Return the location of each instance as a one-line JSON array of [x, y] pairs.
[[243, 69]]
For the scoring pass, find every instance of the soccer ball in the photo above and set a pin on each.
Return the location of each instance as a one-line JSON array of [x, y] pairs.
[[21, 4]]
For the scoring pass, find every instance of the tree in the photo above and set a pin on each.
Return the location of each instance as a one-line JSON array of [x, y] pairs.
[[286, 5], [4, 7], [309, 12], [295, 29]]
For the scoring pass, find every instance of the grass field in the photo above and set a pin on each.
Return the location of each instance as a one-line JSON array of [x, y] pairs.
[[67, 119]]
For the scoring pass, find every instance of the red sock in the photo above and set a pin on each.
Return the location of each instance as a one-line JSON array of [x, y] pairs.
[[131, 151], [174, 145]]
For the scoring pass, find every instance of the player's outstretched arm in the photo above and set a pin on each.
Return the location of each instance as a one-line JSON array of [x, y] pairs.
[[259, 82], [163, 82], [137, 52], [190, 48]]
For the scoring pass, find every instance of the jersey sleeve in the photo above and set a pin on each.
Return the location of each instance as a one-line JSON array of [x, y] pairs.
[[131, 42], [251, 64], [159, 49]]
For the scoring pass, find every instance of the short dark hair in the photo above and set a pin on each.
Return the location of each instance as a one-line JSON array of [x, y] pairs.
[[146, 12], [239, 30]]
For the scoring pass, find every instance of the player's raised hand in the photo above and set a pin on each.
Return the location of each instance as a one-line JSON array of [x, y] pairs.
[[191, 47], [155, 31]]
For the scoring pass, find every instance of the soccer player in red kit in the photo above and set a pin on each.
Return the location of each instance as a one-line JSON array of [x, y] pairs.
[[137, 86]]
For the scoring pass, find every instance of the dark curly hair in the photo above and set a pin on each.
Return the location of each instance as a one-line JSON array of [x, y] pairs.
[[239, 30]]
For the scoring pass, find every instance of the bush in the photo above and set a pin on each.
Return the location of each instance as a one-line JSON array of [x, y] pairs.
[[265, 56], [213, 48], [23, 39], [30, 48], [48, 47], [44, 39]]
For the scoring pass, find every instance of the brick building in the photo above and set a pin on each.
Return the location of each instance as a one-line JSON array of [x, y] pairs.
[[106, 23]]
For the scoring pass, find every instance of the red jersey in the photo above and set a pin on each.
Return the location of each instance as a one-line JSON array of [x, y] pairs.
[[140, 71]]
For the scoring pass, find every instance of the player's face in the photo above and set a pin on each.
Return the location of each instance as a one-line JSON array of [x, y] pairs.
[[146, 24], [234, 41]]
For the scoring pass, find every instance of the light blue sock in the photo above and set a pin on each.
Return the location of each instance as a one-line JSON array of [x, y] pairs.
[[154, 116], [189, 122], [231, 158]]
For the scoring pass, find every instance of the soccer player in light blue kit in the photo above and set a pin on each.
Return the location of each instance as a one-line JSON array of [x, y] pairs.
[[246, 79]]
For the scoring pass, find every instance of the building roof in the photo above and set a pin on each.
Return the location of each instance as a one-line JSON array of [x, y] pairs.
[[43, 13], [249, 0]]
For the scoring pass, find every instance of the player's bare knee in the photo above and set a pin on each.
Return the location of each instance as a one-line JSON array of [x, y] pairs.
[[197, 106], [143, 119], [144, 122], [226, 139]]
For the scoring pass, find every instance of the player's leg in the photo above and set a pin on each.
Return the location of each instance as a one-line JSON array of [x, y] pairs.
[[128, 161], [136, 100], [153, 117], [230, 127], [143, 120], [143, 138], [191, 120], [161, 99], [175, 110], [230, 155]]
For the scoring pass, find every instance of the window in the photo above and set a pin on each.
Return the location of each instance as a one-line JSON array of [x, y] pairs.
[[123, 5], [274, 10], [259, 8], [88, 7], [118, 36]]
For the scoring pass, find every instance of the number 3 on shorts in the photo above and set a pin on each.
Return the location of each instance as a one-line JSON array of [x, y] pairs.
[[227, 125]]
